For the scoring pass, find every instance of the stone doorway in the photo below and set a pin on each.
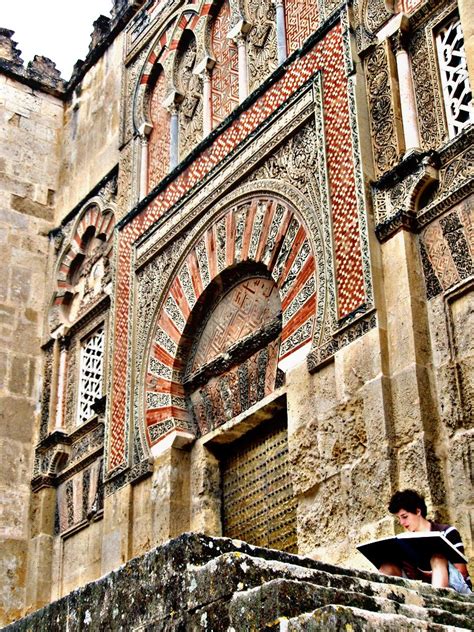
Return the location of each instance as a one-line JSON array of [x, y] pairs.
[[257, 495]]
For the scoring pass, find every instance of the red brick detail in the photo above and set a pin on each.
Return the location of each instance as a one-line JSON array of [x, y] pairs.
[[212, 251], [298, 242], [162, 414], [267, 222], [327, 57], [302, 19], [163, 356], [166, 323], [301, 316], [306, 271], [225, 74], [279, 239], [177, 293], [159, 141], [154, 383], [348, 259], [230, 239], [193, 266], [248, 230]]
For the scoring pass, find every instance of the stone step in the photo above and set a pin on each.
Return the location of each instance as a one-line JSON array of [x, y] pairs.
[[235, 572], [356, 620], [195, 582], [262, 607]]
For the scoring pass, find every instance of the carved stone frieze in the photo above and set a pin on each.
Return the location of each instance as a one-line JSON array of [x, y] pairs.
[[191, 107], [395, 197], [447, 249], [326, 352], [48, 359], [375, 14], [428, 93], [385, 143], [79, 498], [261, 40], [151, 282]]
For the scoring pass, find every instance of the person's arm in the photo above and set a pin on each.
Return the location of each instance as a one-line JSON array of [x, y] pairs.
[[453, 535], [462, 568]]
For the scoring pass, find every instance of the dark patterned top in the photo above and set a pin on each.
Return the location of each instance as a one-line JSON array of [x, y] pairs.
[[453, 535]]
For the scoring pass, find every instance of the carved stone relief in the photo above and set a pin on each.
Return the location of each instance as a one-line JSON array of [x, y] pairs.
[[261, 45], [376, 14], [83, 271], [382, 109], [190, 110], [428, 92]]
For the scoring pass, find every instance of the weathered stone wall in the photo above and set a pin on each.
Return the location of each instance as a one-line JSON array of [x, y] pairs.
[[376, 299], [91, 130], [217, 584], [30, 131]]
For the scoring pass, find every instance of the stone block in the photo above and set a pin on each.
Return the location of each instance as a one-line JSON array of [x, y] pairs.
[[30, 207], [17, 419], [13, 220], [205, 491], [358, 363], [7, 315], [322, 516], [38, 580], [411, 400], [20, 285], [116, 525], [217, 584], [377, 415], [19, 383], [13, 555], [14, 511], [14, 463]]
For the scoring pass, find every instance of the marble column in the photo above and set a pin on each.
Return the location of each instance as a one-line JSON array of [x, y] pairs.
[[206, 102], [144, 133], [239, 35], [281, 30], [174, 137], [59, 416], [411, 131]]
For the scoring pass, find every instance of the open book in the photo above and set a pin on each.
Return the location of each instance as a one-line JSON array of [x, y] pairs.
[[412, 547]]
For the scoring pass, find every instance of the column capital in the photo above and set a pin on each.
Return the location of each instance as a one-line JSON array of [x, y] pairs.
[[398, 41], [145, 130], [64, 342], [239, 31], [173, 100], [204, 66]]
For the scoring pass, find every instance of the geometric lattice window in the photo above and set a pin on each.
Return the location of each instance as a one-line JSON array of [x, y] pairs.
[[91, 371], [454, 77]]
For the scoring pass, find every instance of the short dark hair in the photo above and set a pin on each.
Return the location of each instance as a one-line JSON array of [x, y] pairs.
[[408, 499]]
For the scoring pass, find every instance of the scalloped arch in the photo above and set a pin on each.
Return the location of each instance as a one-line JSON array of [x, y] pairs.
[[95, 215], [164, 46], [264, 228]]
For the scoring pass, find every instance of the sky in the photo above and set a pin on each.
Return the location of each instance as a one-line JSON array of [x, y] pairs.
[[58, 29]]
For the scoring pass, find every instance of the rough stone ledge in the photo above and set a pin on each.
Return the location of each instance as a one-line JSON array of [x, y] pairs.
[[156, 591], [354, 619], [257, 608]]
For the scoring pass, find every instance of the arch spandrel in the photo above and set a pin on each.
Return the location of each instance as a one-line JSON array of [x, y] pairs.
[[260, 230], [82, 267]]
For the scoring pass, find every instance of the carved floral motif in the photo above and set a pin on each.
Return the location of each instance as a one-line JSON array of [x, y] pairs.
[[190, 110], [382, 119], [261, 45]]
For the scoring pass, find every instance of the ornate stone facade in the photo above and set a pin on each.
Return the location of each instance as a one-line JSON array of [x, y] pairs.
[[256, 293]]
